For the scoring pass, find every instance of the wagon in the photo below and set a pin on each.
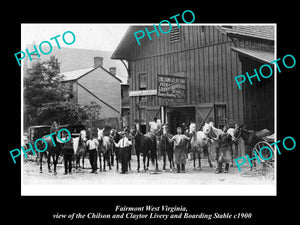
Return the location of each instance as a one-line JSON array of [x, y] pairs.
[[265, 151], [34, 133]]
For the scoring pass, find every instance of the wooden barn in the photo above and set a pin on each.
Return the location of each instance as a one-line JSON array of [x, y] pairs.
[[188, 75]]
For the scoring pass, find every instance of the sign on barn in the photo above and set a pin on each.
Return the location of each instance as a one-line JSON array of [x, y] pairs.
[[171, 86]]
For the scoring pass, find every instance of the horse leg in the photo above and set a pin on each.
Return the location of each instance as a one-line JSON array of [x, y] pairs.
[[41, 162], [199, 158], [164, 160], [144, 161], [194, 158], [48, 162], [138, 161], [55, 159], [104, 159], [100, 163], [109, 160], [208, 158]]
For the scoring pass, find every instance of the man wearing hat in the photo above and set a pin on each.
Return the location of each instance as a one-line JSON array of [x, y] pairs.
[[125, 147]]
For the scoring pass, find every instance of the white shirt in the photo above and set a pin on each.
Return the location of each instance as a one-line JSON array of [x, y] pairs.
[[154, 126], [124, 142], [93, 144]]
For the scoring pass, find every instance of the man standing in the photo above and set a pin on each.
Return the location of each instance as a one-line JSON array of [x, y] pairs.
[[68, 153], [179, 149], [125, 146], [92, 145]]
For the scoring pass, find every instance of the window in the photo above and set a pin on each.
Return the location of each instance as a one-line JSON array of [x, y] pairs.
[[174, 35], [142, 81], [220, 116], [142, 86]]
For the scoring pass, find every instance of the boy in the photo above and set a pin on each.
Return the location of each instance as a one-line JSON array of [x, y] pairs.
[[92, 145], [179, 149]]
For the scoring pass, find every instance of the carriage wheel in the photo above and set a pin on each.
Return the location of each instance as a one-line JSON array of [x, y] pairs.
[[264, 169]]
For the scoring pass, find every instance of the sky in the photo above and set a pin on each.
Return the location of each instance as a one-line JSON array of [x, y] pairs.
[[104, 37]]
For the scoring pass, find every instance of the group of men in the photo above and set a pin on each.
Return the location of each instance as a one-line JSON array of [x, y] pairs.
[[180, 140]]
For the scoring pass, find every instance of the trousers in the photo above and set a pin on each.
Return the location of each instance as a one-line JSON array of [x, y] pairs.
[[124, 158], [93, 159]]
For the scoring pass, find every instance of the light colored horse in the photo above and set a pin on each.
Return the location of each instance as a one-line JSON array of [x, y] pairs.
[[79, 146], [199, 144], [214, 133], [105, 148]]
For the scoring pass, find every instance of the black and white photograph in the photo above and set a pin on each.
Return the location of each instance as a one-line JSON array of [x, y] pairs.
[[160, 105], [131, 114]]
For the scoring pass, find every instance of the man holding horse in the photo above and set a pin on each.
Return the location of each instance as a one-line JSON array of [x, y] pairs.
[[179, 149]]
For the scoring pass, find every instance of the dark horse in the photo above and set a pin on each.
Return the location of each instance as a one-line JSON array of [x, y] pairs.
[[166, 148], [250, 138], [146, 145], [116, 150], [53, 149]]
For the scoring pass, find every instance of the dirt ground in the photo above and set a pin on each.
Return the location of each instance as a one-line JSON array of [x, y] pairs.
[[206, 175]]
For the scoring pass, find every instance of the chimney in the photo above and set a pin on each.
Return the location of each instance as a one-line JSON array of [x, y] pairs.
[[98, 61], [113, 70]]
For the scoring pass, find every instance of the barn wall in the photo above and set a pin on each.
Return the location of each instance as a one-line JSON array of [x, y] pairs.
[[203, 55]]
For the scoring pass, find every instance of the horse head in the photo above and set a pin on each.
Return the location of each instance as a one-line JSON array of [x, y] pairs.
[[237, 131], [100, 133], [133, 130], [192, 128], [83, 135], [207, 127]]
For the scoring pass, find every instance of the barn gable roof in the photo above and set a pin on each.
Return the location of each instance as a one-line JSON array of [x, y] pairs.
[[264, 32]]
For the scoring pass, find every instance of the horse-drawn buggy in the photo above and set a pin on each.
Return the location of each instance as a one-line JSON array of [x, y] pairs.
[[34, 133], [266, 153]]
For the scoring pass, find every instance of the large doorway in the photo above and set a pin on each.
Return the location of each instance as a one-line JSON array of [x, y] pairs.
[[179, 115]]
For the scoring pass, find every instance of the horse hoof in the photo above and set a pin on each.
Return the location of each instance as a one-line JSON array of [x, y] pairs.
[[41, 171], [55, 173], [50, 171]]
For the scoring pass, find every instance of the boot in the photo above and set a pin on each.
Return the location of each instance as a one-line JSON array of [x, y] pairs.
[[183, 167], [178, 168], [226, 168], [219, 169]]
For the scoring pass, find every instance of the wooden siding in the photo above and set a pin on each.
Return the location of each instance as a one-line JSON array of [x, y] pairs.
[[204, 56]]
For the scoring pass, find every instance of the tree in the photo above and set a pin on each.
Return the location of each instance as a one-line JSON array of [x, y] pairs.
[[46, 98]]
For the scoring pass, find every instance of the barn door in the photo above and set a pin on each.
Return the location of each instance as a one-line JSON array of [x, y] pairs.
[[204, 113]]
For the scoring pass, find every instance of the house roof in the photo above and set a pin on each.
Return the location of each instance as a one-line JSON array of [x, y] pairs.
[[263, 56], [73, 59], [255, 31], [76, 74]]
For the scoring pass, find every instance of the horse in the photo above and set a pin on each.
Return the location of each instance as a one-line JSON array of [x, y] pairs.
[[79, 146], [199, 144], [166, 146], [105, 147], [251, 138], [53, 149], [116, 150], [234, 141], [146, 145]]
